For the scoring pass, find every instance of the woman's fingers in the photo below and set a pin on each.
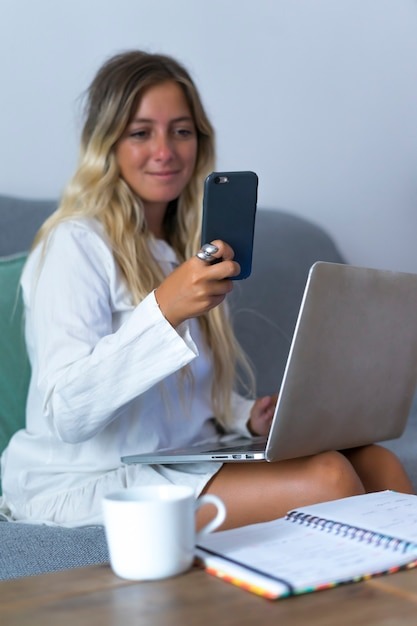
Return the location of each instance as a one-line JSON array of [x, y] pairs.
[[197, 286]]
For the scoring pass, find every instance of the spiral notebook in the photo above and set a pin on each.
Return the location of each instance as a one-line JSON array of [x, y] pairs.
[[317, 547]]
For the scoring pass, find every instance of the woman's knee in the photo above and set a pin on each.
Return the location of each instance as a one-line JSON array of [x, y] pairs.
[[379, 468], [332, 473]]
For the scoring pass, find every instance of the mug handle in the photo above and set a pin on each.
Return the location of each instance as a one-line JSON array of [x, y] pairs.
[[209, 498]]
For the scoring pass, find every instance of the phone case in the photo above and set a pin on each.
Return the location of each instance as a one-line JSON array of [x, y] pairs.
[[229, 211]]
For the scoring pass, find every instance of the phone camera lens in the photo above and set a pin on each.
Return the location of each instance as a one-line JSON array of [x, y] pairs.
[[217, 180]]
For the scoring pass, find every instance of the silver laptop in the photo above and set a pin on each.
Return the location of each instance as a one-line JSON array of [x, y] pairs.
[[350, 376]]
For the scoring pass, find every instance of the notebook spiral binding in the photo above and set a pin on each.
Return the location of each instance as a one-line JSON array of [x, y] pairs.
[[350, 532]]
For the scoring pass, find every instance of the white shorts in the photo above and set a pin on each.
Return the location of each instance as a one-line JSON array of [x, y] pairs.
[[81, 505]]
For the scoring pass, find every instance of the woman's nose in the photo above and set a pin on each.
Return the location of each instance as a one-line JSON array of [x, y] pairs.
[[163, 148]]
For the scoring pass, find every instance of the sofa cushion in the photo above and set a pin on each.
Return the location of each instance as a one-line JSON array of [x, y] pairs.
[[30, 549], [14, 364], [265, 307], [20, 218]]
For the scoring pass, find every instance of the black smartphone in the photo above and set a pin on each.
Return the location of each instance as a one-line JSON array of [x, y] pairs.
[[229, 211]]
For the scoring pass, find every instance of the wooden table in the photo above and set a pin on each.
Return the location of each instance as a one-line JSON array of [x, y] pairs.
[[95, 596]]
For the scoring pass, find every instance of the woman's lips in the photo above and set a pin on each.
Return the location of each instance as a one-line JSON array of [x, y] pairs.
[[164, 174]]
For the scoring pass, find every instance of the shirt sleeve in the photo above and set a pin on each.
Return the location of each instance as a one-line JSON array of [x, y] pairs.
[[241, 408], [86, 370]]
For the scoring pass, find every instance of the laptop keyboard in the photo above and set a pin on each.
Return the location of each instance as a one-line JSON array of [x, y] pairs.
[[254, 446]]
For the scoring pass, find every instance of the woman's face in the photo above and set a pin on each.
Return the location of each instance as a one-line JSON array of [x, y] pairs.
[[157, 153]]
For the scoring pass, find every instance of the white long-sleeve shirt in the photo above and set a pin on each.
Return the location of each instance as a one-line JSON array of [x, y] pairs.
[[105, 380]]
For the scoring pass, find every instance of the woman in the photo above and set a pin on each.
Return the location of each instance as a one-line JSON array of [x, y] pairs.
[[130, 346]]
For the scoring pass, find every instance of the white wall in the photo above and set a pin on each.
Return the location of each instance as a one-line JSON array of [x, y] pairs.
[[319, 97]]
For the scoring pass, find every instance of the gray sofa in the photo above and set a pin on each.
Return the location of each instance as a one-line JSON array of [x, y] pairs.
[[264, 310]]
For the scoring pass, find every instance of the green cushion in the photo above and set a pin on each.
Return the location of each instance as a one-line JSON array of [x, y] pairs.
[[14, 364]]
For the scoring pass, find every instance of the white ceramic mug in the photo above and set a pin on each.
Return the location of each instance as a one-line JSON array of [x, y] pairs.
[[151, 531]]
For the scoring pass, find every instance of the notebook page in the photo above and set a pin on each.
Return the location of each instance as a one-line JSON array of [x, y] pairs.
[[385, 512]]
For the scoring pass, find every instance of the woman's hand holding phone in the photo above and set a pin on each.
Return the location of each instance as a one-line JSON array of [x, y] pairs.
[[198, 285], [195, 286]]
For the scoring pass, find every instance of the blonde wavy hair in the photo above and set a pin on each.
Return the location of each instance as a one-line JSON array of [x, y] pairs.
[[98, 191]]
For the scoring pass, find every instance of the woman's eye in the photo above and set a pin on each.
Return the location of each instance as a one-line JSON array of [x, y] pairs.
[[139, 134], [184, 132]]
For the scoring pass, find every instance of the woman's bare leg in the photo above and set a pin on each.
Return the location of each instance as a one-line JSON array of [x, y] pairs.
[[258, 492], [379, 468]]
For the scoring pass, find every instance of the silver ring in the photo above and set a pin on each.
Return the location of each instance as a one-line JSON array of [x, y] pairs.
[[206, 253]]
